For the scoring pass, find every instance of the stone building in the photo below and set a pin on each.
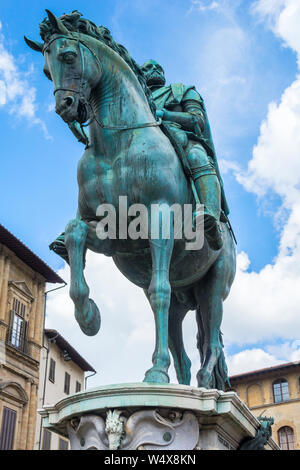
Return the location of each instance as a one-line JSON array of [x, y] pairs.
[[62, 372], [275, 392], [23, 277]]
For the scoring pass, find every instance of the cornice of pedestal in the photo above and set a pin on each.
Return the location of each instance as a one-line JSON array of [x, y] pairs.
[[136, 395]]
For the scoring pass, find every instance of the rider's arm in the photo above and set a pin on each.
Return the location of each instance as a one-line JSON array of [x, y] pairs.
[[192, 116], [194, 108]]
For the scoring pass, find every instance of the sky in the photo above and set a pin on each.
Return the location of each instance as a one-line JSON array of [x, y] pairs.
[[243, 56]]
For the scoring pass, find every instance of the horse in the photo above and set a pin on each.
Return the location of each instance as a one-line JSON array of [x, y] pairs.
[[127, 154]]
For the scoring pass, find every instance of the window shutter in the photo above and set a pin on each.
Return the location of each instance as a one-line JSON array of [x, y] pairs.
[[8, 429], [67, 383], [24, 338], [10, 326], [52, 370], [46, 440], [63, 445]]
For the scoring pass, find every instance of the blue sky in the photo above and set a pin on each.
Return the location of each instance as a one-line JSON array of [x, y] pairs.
[[242, 57]]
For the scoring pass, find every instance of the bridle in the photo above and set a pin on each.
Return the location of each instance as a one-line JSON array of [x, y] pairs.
[[80, 92]]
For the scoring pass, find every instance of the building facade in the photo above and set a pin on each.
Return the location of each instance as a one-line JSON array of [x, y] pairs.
[[62, 372], [23, 277], [274, 392]]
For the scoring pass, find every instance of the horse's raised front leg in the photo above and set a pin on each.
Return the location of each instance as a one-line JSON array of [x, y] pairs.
[[86, 311], [159, 294]]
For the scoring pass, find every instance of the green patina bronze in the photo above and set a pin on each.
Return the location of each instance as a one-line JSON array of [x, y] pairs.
[[262, 437], [128, 154]]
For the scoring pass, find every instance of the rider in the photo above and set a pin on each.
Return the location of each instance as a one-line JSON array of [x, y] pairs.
[[183, 108]]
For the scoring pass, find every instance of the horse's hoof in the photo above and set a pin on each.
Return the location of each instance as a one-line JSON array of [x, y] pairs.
[[204, 379], [92, 327], [156, 376]]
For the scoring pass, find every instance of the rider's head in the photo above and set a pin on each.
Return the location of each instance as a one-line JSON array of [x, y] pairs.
[[154, 73]]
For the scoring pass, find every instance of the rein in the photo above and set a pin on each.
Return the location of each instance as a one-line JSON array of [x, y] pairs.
[[85, 101]]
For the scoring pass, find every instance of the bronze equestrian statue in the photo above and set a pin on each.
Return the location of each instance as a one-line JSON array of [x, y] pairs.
[[128, 153]]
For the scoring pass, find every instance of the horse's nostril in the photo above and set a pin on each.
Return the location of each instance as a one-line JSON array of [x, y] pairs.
[[69, 100]]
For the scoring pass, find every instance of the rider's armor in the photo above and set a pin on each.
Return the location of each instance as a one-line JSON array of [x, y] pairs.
[[183, 109]]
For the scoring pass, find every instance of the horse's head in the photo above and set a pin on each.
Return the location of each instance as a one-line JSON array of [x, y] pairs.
[[72, 66]]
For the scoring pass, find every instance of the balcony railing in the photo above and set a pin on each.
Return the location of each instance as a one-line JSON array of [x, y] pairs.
[[18, 340]]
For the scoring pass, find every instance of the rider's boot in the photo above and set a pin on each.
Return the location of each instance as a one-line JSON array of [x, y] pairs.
[[209, 193]]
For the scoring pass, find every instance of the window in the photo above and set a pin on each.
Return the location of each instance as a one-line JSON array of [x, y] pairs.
[[46, 440], [8, 429], [17, 325], [63, 445], [281, 390], [52, 370], [78, 386], [286, 438], [67, 383]]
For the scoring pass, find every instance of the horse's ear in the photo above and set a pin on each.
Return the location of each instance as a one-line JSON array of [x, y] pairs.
[[57, 23], [36, 46]]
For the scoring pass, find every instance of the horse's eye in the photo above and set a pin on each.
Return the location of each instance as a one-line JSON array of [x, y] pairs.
[[69, 57]]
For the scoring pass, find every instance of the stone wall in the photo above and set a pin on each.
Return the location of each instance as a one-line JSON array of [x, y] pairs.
[[19, 368]]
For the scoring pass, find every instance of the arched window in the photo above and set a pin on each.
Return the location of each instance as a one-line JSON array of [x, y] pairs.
[[286, 438], [281, 390]]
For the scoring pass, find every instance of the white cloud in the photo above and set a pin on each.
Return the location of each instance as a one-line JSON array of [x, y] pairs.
[[263, 305], [287, 351], [16, 94], [250, 360], [202, 5], [51, 107], [268, 10], [282, 16], [276, 164], [257, 358], [228, 165]]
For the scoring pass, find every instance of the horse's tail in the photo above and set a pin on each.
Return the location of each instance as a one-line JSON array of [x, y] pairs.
[[200, 334], [221, 370], [219, 376]]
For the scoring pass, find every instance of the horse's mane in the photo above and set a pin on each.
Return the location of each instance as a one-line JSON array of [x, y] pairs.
[[73, 22]]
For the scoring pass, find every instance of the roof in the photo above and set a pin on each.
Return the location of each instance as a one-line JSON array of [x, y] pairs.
[[63, 344], [28, 257], [267, 370]]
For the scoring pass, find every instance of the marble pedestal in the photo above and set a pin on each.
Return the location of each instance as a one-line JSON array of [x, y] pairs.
[[142, 416]]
